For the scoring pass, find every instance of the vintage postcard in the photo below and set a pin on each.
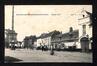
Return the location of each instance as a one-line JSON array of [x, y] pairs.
[[48, 33]]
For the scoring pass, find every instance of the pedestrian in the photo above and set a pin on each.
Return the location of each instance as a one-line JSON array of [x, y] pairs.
[[52, 51], [42, 48]]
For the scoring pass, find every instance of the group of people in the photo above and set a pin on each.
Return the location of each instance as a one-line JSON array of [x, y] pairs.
[[44, 48]]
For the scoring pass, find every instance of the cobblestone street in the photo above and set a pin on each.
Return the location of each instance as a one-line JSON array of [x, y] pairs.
[[28, 55]]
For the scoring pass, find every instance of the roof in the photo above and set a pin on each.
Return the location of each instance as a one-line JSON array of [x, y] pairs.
[[44, 35], [88, 15], [67, 35]]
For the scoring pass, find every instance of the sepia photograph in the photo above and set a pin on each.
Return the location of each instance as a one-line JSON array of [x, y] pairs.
[[48, 33]]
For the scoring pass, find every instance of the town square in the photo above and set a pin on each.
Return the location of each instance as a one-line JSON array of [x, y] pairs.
[[48, 33]]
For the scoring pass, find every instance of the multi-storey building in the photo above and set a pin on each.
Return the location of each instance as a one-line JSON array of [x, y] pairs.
[[46, 38], [65, 40], [85, 26], [29, 41]]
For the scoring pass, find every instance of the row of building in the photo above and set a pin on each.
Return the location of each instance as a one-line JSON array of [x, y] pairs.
[[70, 39], [58, 39]]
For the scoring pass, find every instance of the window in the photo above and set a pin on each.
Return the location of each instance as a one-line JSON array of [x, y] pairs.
[[84, 29]]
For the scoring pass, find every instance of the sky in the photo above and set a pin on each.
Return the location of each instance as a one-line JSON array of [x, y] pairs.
[[43, 18]]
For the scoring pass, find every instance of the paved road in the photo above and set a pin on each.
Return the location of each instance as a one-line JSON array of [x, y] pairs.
[[39, 56]]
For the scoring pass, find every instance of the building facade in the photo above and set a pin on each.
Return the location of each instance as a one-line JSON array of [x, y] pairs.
[[46, 38], [85, 27], [66, 40], [58, 40], [29, 41]]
